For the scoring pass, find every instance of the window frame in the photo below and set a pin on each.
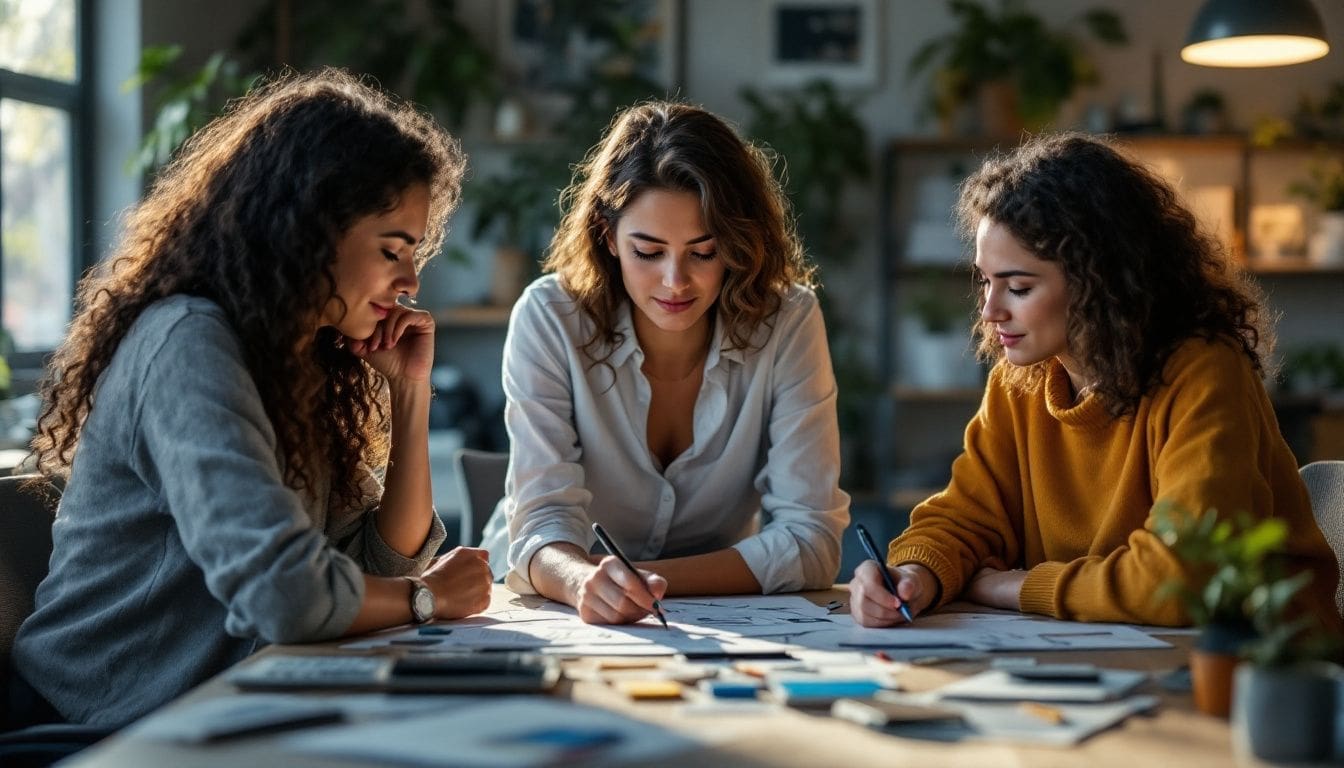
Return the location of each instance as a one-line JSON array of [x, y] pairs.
[[75, 99]]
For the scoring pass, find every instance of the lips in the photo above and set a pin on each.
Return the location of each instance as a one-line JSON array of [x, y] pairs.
[[380, 310], [1010, 339], [674, 307]]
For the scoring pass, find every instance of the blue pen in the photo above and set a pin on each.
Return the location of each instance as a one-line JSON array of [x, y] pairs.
[[871, 549]]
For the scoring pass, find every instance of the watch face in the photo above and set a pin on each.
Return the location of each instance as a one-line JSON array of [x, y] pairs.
[[422, 603]]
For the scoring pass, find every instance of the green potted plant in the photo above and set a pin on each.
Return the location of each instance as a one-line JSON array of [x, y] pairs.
[[514, 211], [1020, 68], [1324, 188], [434, 60], [1230, 568], [938, 343], [1284, 694]]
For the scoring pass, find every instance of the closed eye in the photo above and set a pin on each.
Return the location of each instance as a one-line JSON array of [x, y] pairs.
[[1019, 291], [708, 256], [391, 255], [645, 256]]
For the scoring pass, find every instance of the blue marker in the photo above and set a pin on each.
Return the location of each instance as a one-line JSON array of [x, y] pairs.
[[871, 549]]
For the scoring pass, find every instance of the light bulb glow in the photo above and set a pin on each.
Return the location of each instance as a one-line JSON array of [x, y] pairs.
[[1255, 51]]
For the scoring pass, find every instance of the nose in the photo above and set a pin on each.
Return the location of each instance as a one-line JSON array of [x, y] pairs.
[[674, 273], [407, 281], [993, 310]]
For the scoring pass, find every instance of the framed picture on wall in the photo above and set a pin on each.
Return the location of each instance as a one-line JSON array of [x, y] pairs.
[[832, 39], [547, 45]]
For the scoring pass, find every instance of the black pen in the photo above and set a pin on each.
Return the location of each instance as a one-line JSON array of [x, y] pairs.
[[871, 549], [616, 552]]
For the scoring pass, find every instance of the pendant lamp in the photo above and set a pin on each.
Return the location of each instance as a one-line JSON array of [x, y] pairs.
[[1255, 33]]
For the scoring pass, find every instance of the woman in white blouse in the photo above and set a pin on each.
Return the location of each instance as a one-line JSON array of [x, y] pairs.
[[671, 381]]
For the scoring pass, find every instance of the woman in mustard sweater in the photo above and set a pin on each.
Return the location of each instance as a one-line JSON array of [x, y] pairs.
[[1128, 355]]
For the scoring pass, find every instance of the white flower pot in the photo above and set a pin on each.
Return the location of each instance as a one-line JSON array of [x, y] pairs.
[[1326, 248]]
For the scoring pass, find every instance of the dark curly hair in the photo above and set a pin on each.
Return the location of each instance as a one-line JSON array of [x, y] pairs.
[[1142, 275], [248, 215], [683, 148]]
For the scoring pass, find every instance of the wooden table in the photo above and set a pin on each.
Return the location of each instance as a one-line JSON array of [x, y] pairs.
[[1175, 736]]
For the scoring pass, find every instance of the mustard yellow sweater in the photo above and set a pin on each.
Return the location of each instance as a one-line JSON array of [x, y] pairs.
[[1066, 491]]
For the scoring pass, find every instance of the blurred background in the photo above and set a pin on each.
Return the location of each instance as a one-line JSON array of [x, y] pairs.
[[875, 109]]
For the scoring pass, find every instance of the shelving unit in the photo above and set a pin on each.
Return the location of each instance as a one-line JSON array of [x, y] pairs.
[[920, 427]]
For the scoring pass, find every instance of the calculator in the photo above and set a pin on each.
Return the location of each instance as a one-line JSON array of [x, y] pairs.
[[419, 672]]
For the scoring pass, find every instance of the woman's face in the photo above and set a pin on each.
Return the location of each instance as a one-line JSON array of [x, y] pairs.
[[669, 265], [375, 265], [1026, 298]]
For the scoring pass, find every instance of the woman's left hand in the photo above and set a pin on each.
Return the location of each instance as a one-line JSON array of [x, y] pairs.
[[997, 589], [401, 347]]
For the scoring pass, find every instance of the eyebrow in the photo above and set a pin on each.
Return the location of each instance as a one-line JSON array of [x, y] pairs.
[[399, 233], [652, 239], [1010, 273]]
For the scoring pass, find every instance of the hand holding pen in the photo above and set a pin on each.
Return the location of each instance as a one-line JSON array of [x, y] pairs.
[[618, 592], [873, 587]]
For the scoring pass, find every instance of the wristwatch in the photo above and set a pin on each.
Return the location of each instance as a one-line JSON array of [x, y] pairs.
[[422, 600]]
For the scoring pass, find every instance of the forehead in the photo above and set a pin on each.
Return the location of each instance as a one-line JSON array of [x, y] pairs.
[[998, 250], [663, 211]]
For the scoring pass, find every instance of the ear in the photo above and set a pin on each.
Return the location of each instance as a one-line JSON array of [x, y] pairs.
[[609, 239]]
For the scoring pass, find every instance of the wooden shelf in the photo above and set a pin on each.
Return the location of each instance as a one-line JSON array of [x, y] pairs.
[[1291, 267], [484, 316], [954, 396]]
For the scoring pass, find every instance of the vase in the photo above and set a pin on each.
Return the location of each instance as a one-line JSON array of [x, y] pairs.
[[1326, 248], [510, 275], [999, 113], [1285, 713]]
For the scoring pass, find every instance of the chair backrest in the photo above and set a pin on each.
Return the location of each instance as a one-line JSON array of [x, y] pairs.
[[480, 484], [26, 515], [1325, 485]]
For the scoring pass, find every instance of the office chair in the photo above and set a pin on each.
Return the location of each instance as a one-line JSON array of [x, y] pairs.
[[1325, 485], [480, 484], [26, 515]]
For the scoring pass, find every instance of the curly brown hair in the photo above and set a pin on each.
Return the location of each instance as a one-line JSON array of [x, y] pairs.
[[1142, 275], [683, 148], [248, 215]]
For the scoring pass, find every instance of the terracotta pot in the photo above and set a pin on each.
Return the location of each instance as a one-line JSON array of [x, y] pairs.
[[999, 115], [1211, 680]]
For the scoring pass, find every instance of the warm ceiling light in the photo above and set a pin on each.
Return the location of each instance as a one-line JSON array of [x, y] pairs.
[[1255, 33]]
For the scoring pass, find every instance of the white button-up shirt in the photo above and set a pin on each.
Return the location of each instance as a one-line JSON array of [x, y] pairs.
[[765, 440]]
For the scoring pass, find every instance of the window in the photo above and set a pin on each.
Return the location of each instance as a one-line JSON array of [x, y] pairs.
[[41, 161]]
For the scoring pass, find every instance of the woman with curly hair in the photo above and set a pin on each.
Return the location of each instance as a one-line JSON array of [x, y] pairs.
[[670, 381], [1128, 355], [237, 377]]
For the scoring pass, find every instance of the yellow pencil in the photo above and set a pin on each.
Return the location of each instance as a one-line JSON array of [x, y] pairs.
[[1043, 712]]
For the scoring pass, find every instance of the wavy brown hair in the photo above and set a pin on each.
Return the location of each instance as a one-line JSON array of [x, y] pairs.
[[681, 148], [1142, 275], [248, 215]]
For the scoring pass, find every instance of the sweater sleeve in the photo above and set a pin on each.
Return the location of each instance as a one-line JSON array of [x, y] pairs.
[[976, 521], [203, 439], [359, 537], [1206, 450]]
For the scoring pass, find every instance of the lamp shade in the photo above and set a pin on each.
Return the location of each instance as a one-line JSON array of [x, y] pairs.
[[1255, 33]]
